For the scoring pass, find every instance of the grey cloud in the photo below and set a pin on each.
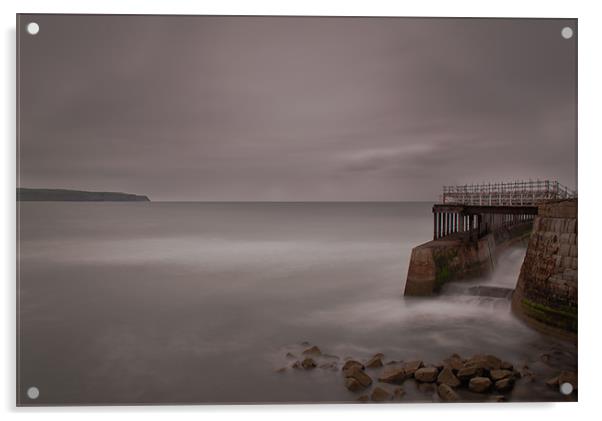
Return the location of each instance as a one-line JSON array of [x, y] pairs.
[[257, 108]]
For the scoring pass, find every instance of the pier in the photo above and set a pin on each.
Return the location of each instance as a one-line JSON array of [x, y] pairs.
[[471, 224], [471, 211]]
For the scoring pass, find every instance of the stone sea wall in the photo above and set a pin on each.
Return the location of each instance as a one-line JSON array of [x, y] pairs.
[[546, 292], [437, 262]]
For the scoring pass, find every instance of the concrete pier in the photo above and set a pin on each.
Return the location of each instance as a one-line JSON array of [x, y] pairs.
[[454, 258], [475, 222]]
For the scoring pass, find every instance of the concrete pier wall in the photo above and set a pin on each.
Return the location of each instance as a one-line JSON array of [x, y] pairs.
[[437, 262], [546, 291]]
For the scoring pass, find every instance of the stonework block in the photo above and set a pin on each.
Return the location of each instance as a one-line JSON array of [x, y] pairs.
[[571, 226], [555, 280], [558, 264], [570, 275], [561, 225], [564, 250]]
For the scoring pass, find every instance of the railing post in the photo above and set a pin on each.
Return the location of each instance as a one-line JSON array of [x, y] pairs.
[[446, 224]]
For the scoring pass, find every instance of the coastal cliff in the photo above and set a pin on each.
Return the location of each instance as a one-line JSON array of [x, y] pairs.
[[64, 195], [546, 292]]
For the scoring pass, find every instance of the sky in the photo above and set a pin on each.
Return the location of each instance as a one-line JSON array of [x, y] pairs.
[[294, 108]]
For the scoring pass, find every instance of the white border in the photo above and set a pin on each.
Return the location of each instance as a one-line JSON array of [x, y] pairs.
[[590, 112]]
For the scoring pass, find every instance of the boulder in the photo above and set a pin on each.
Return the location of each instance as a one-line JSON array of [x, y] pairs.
[[410, 367], [493, 362], [393, 375], [296, 364], [426, 374], [308, 364], [504, 385], [380, 395], [479, 384], [352, 364], [467, 373], [375, 361], [487, 362], [499, 374], [359, 375], [446, 376], [314, 350], [447, 394], [352, 384], [454, 362]]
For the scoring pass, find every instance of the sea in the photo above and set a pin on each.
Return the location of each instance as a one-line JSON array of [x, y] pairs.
[[200, 303]]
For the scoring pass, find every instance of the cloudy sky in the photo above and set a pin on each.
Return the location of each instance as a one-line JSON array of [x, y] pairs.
[[257, 108]]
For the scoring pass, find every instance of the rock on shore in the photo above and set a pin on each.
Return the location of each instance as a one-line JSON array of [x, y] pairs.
[[447, 394], [426, 374], [451, 380], [393, 375], [479, 384], [447, 376]]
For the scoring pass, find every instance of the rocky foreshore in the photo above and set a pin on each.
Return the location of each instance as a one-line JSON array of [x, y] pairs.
[[482, 377]]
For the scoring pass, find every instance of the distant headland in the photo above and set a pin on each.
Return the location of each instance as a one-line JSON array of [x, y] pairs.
[[64, 195]]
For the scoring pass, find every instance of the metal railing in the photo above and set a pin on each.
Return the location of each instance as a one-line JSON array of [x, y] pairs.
[[514, 193]]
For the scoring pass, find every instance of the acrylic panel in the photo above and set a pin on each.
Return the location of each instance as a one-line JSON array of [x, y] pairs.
[[272, 209]]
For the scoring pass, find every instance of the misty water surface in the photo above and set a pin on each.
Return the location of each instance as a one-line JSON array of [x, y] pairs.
[[200, 302]]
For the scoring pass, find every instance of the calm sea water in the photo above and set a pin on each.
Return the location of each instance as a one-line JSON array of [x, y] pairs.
[[200, 302]]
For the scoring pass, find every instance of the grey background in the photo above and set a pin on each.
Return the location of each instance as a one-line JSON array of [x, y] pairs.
[[294, 108]]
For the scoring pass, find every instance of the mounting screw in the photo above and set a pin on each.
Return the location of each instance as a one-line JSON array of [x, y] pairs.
[[32, 28], [566, 388], [33, 392], [567, 32]]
